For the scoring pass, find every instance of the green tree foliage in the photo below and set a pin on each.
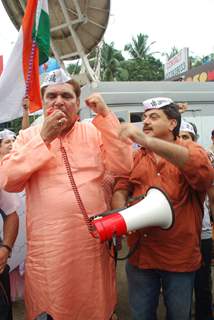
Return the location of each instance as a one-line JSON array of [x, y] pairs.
[[16, 124], [196, 61], [171, 54], [142, 66], [111, 59], [139, 47], [73, 68], [150, 69]]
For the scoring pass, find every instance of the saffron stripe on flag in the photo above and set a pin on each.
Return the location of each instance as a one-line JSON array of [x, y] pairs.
[[16, 73]]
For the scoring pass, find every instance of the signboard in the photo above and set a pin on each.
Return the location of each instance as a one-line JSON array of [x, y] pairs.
[[177, 64]]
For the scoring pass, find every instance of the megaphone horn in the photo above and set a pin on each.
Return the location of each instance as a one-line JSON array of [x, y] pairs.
[[155, 210]]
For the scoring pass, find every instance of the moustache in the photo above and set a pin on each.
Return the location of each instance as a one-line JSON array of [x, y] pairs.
[[147, 128]]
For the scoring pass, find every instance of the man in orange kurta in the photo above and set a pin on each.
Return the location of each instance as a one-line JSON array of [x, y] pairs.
[[69, 274], [165, 258]]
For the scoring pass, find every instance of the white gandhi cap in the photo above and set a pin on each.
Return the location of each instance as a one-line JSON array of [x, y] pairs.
[[186, 126], [55, 77], [156, 103]]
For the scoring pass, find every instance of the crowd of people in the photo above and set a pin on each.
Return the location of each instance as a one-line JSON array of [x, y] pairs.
[[72, 171]]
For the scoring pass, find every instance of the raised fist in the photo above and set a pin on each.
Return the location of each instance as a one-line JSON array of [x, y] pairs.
[[96, 103]]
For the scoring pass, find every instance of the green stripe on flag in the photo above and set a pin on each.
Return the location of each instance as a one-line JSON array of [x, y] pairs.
[[42, 37]]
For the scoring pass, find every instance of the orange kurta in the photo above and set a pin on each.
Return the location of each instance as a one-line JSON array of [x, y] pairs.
[[69, 274], [176, 249]]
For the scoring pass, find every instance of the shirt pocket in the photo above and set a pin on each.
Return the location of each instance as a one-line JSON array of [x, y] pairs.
[[87, 156]]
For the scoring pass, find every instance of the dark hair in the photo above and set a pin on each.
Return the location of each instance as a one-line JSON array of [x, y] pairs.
[[194, 136], [72, 82], [134, 117], [121, 119], [172, 112], [212, 133]]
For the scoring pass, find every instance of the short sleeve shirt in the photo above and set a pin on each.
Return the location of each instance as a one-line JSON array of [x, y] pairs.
[[8, 202]]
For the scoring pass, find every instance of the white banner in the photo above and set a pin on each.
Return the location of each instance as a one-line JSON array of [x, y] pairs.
[[177, 64]]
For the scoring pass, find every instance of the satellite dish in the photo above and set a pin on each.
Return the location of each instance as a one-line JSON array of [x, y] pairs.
[[77, 26]]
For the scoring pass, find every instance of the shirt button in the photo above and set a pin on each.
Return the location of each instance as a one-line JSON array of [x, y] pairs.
[[145, 235], [158, 174]]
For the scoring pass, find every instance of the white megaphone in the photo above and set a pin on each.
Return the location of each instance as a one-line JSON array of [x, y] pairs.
[[155, 210]]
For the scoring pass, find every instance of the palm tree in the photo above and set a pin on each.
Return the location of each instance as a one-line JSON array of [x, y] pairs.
[[139, 47], [172, 53], [111, 59], [74, 68]]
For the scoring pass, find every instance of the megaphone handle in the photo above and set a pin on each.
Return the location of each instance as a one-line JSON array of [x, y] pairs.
[[130, 253], [117, 242], [117, 246]]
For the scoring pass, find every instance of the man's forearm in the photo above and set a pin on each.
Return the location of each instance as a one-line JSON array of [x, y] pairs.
[[25, 120], [117, 154], [172, 152], [168, 150], [119, 199], [210, 193], [10, 230]]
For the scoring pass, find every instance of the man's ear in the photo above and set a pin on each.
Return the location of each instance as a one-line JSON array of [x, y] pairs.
[[78, 103], [173, 124]]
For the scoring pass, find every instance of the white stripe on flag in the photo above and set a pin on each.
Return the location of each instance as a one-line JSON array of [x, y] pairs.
[[12, 84]]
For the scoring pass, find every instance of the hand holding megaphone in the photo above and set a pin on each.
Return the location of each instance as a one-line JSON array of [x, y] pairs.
[[155, 210]]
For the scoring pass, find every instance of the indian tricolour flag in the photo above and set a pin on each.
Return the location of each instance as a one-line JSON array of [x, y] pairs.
[[21, 74]]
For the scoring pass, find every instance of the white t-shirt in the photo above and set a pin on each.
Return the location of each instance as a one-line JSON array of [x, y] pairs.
[[206, 232], [8, 202]]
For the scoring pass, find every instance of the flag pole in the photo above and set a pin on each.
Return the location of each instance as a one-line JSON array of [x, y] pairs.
[[30, 69]]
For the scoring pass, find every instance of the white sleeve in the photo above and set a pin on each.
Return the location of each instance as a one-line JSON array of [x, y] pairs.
[[8, 202]]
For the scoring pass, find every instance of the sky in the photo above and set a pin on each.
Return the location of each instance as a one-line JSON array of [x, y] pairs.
[[183, 23]]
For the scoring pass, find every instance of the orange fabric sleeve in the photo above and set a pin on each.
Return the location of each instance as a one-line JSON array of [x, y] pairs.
[[28, 155], [123, 183], [117, 155], [199, 163]]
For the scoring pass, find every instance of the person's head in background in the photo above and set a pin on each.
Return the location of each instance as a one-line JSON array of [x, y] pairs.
[[7, 139], [212, 136], [188, 131]]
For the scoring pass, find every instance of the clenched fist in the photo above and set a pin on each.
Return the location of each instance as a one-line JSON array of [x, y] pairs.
[[96, 103], [129, 134]]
